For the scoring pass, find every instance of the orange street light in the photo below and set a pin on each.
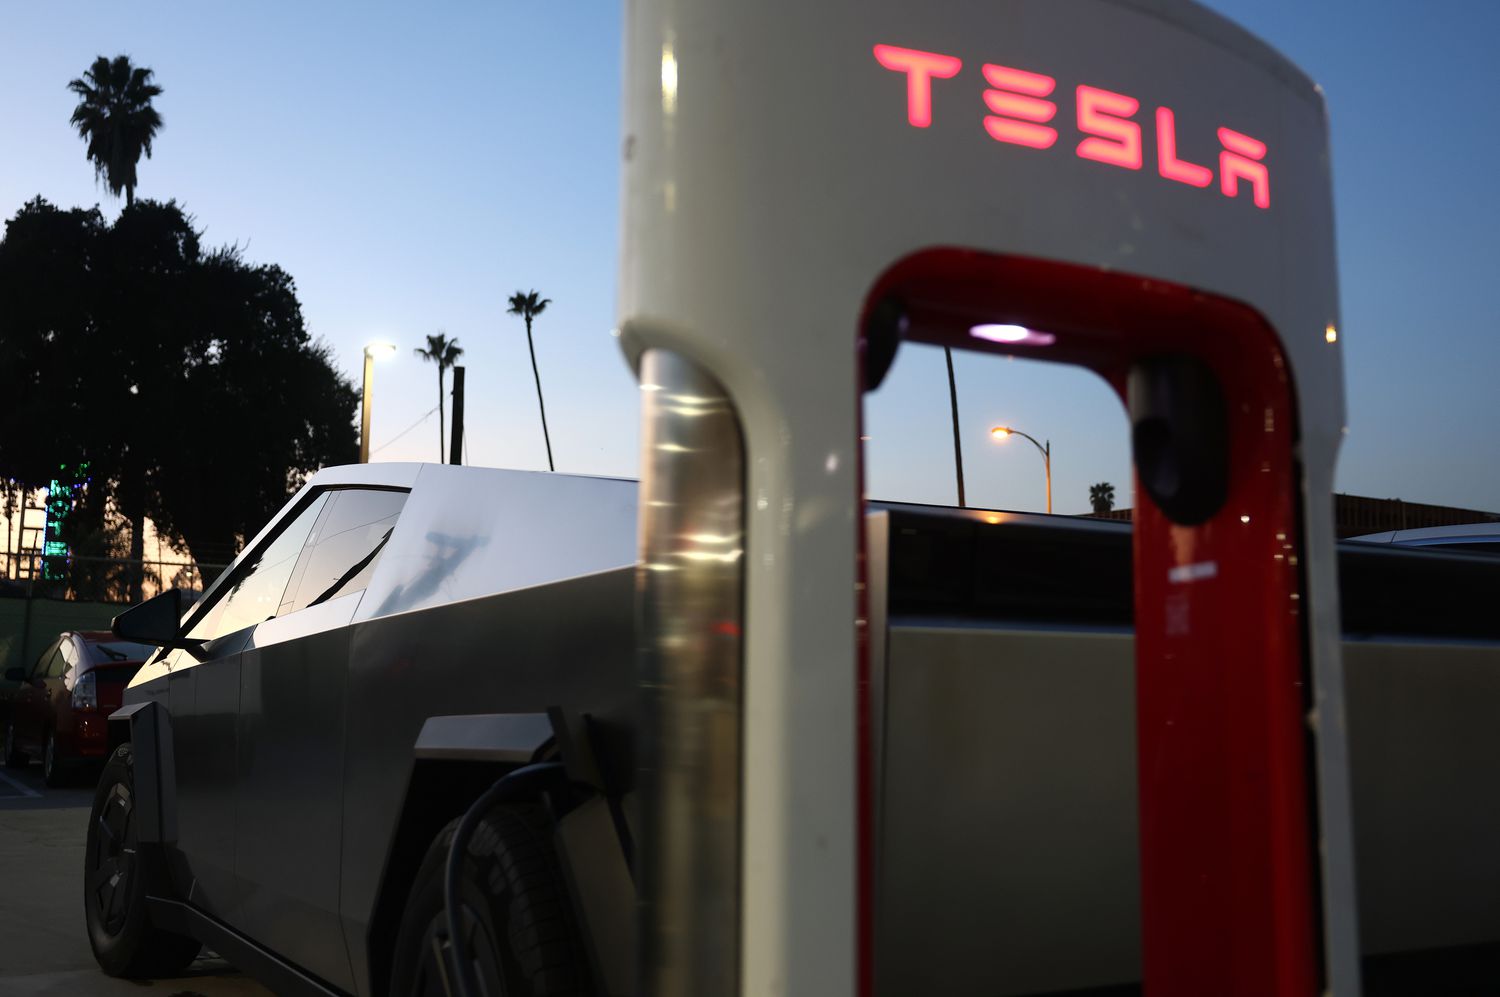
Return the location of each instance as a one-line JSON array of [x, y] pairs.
[[1002, 433]]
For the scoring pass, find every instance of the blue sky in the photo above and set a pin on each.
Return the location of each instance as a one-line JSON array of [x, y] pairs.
[[412, 166]]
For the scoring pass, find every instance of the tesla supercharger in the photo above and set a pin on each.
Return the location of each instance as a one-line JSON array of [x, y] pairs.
[[1135, 186]]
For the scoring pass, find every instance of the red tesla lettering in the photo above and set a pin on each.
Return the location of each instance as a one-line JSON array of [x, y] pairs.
[[1103, 113], [1241, 159], [1019, 109], [920, 69], [1166, 154], [1021, 114]]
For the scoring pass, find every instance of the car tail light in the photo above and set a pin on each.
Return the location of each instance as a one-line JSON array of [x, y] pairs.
[[689, 614], [85, 692]]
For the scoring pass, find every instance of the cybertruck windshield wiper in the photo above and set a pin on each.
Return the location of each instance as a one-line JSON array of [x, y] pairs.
[[359, 566]]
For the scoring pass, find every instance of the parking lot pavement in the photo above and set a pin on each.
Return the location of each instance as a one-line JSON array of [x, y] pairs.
[[43, 947]]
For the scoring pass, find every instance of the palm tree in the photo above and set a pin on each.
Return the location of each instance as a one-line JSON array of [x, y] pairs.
[[114, 115], [1102, 496], [529, 306], [445, 353]]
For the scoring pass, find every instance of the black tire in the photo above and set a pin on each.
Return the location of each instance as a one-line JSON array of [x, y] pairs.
[[15, 758], [114, 885], [519, 920], [55, 772]]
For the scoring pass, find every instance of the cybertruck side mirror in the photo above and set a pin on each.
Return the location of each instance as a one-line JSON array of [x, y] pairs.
[[1179, 430], [157, 621]]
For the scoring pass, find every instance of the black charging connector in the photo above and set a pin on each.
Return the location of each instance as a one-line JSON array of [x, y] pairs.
[[1179, 431]]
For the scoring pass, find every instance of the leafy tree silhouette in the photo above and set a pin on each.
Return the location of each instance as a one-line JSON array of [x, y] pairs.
[[46, 301], [143, 276], [261, 406], [186, 380], [529, 305], [44, 308], [114, 115], [445, 353], [1102, 496]]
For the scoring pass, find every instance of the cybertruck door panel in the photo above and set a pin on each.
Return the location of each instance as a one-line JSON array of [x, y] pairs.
[[289, 810], [203, 699], [291, 736], [204, 694], [566, 644]]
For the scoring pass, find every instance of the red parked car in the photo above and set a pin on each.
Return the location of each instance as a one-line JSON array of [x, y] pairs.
[[58, 713]]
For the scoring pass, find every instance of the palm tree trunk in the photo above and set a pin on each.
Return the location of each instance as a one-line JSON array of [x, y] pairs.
[[10, 547], [137, 555], [129, 196], [10, 528], [540, 404], [20, 533], [441, 434], [958, 452], [133, 505]]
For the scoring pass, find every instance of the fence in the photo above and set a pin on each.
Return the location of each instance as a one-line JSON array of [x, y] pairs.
[[41, 596]]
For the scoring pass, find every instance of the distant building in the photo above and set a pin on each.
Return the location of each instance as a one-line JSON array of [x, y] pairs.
[[1356, 515]]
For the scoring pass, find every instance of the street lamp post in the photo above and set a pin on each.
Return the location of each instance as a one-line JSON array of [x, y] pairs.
[[1001, 432], [372, 352]]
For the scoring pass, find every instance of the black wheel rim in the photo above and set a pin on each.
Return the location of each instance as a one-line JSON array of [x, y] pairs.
[[434, 970], [113, 861]]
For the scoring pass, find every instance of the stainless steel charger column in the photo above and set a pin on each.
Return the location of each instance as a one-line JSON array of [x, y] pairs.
[[689, 609]]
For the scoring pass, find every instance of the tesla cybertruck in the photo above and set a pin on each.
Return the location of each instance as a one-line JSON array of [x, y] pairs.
[[289, 766]]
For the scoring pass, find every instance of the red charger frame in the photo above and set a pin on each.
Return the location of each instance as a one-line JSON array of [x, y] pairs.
[[1229, 885]]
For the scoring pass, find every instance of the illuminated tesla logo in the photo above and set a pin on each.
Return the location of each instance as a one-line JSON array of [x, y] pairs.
[[1022, 114]]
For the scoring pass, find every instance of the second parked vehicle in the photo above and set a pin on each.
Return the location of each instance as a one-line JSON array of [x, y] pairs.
[[58, 713]]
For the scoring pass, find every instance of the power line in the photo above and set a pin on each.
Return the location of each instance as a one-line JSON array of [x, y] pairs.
[[430, 413]]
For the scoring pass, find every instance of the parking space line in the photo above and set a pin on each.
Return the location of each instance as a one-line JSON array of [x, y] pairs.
[[21, 788]]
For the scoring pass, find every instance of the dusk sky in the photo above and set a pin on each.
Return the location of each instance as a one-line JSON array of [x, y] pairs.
[[413, 166]]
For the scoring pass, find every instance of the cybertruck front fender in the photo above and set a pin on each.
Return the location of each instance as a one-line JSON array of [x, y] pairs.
[[149, 729]]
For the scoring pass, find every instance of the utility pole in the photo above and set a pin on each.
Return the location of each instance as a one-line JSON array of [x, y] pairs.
[[1047, 457], [456, 441]]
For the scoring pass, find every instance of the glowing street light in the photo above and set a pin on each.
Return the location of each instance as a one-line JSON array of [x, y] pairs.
[[373, 352], [1002, 433]]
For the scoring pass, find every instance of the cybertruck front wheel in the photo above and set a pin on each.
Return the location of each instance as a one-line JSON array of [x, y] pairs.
[[114, 885], [518, 925]]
